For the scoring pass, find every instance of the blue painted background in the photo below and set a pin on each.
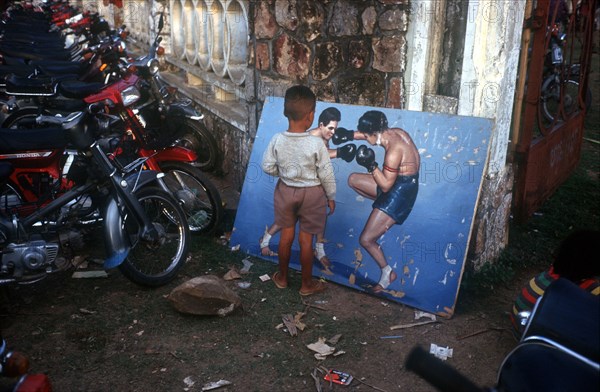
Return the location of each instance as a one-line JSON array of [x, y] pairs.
[[427, 251]]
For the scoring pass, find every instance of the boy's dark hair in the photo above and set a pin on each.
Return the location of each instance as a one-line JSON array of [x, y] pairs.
[[372, 121], [299, 101], [328, 115], [578, 256]]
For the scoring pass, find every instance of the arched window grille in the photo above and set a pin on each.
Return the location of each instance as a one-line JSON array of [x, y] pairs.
[[211, 35]]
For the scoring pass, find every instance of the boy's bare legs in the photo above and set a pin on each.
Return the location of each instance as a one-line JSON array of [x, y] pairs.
[[306, 262], [377, 224], [266, 238], [280, 278], [320, 251]]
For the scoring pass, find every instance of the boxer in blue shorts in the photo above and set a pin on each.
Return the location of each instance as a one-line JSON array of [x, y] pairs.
[[394, 186], [400, 199]]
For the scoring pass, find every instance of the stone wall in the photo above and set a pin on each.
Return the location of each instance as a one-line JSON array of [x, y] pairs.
[[347, 51]]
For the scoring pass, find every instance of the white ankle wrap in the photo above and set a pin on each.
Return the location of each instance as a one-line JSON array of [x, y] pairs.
[[384, 281]]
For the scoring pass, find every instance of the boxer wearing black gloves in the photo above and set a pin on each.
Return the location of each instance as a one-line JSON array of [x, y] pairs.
[[342, 135], [346, 152], [365, 157], [393, 188]]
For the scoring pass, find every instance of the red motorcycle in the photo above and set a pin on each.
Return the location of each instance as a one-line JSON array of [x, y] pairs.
[[145, 228], [149, 123]]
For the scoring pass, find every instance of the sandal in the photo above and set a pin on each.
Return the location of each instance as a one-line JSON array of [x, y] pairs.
[[279, 285], [318, 287]]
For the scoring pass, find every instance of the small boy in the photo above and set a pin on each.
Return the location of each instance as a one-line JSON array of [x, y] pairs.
[[306, 186], [327, 124]]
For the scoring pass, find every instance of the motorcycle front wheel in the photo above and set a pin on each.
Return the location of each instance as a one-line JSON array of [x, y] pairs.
[[197, 195], [156, 262]]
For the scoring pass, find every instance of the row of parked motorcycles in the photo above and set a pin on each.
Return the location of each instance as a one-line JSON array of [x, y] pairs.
[[93, 141], [92, 137]]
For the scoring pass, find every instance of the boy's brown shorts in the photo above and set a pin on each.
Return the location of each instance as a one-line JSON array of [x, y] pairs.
[[307, 205]]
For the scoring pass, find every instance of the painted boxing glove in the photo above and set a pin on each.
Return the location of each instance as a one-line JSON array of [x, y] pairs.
[[342, 135], [346, 152], [365, 157]]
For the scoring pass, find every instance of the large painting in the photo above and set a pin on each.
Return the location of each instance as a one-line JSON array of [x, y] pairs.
[[427, 251]]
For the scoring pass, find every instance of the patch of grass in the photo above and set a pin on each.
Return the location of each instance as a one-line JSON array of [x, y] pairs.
[[531, 245]]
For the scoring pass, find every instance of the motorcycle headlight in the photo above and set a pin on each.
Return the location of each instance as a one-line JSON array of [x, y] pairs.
[[130, 95], [153, 66]]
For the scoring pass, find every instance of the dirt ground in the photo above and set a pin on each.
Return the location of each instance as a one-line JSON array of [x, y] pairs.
[[109, 334]]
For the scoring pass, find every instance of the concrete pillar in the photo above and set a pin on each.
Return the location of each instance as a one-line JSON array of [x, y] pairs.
[[491, 60]]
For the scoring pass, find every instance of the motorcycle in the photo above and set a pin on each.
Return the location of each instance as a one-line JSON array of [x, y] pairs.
[[194, 134], [145, 230], [150, 130], [559, 350], [561, 81]]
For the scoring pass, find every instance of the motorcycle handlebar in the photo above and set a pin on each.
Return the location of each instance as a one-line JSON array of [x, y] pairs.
[[438, 373]]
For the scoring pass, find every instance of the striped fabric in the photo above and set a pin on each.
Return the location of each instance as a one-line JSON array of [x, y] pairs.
[[534, 290]]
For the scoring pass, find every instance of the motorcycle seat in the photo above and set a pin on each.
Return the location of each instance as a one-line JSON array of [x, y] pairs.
[[5, 170], [72, 68], [6, 70], [27, 55], [8, 60], [20, 140], [19, 85], [25, 36], [77, 89]]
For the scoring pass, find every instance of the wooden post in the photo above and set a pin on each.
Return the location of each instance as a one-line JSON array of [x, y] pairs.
[[522, 79]]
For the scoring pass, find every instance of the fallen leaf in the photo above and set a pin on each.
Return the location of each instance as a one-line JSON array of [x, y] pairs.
[[214, 385], [334, 339], [290, 324], [232, 274], [188, 382], [299, 324], [321, 348]]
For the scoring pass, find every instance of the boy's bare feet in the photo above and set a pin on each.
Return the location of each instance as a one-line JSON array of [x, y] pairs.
[[314, 288], [279, 281]]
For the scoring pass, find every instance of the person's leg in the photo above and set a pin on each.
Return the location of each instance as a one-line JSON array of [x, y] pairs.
[[377, 225], [320, 251], [266, 239], [285, 251], [306, 263], [363, 184]]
